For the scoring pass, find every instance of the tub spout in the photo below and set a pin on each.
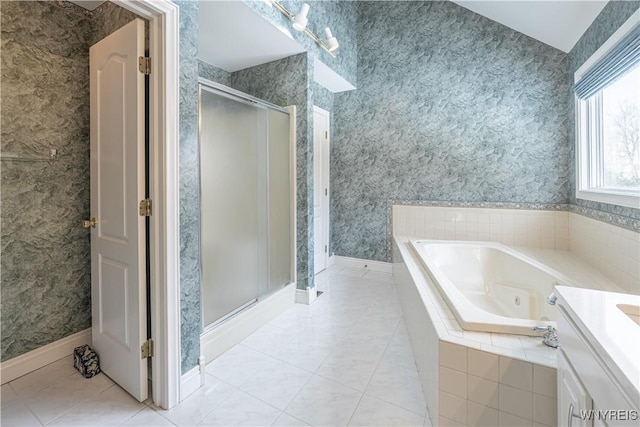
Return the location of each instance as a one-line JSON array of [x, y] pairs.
[[552, 298], [550, 336]]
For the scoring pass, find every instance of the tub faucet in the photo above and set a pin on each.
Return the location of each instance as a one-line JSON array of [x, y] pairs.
[[550, 336], [551, 299]]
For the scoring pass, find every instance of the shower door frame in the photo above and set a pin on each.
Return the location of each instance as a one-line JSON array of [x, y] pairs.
[[239, 96]]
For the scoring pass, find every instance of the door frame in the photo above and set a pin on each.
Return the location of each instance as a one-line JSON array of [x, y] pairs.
[[164, 233], [325, 170]]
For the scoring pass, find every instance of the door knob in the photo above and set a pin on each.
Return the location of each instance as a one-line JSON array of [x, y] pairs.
[[89, 223]]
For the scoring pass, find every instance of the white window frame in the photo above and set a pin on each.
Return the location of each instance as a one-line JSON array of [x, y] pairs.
[[588, 161]]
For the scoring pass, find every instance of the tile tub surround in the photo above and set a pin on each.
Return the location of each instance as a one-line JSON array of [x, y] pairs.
[[482, 378], [613, 251]]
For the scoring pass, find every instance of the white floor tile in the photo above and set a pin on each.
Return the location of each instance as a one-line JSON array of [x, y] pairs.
[[287, 420], [240, 409], [276, 383], [112, 407], [399, 386], [7, 394], [148, 418], [16, 413], [67, 393], [305, 352], [348, 369], [352, 337], [237, 364], [42, 378], [204, 400], [269, 339], [324, 402], [375, 412]]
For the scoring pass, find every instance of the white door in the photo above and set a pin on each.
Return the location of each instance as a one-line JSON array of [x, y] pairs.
[[320, 189], [118, 257]]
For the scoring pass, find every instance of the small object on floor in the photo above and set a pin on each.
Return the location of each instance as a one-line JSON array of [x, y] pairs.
[[86, 361]]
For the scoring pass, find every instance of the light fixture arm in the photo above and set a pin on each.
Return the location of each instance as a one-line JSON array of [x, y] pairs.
[[307, 31]]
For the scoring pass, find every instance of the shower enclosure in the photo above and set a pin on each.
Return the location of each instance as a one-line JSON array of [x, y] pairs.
[[246, 201]]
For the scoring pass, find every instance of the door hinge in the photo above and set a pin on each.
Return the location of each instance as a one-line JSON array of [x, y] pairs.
[[326, 192], [326, 249], [146, 349], [145, 207], [144, 65], [326, 134]]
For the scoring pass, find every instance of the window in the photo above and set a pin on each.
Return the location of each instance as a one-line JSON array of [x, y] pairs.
[[607, 93]]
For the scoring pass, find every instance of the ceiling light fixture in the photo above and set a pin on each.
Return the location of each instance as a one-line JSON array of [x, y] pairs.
[[300, 20], [332, 42], [299, 23]]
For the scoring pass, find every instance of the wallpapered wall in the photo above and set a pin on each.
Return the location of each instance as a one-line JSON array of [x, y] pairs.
[[340, 16], [610, 19], [191, 321], [450, 106], [46, 272]]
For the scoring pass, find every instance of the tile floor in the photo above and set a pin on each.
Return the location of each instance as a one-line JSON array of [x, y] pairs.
[[344, 360]]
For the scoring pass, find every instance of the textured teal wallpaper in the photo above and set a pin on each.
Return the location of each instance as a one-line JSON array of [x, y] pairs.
[[46, 273], [450, 106]]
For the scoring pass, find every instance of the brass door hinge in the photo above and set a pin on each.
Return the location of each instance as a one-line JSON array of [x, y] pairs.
[[326, 249], [326, 134], [146, 350], [145, 207], [144, 65], [326, 192]]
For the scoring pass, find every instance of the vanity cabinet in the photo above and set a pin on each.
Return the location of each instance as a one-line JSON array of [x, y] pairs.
[[572, 396], [590, 389]]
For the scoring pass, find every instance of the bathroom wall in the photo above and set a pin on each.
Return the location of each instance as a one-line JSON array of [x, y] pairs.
[[46, 274], [610, 19], [340, 16], [450, 106], [213, 73], [191, 320]]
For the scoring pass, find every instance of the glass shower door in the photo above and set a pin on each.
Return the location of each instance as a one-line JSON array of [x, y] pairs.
[[233, 181]]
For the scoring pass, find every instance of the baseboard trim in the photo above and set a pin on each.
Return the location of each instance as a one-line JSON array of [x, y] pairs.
[[385, 267], [220, 339], [306, 296], [191, 381], [36, 359]]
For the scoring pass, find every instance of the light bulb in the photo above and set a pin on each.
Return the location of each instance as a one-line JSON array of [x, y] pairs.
[[300, 20]]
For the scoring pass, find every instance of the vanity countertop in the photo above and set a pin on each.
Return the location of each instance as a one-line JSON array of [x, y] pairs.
[[614, 335]]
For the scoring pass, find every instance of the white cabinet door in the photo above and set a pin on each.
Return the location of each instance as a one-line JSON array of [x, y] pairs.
[[118, 255], [572, 397]]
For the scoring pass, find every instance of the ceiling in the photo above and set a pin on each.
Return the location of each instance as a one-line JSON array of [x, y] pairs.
[[233, 37], [558, 23]]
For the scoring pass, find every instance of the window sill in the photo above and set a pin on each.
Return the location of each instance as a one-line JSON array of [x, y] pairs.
[[611, 198]]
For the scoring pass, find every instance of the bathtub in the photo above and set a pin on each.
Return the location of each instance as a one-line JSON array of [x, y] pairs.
[[490, 287]]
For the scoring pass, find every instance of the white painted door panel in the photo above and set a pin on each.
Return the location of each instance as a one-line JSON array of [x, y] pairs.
[[118, 274]]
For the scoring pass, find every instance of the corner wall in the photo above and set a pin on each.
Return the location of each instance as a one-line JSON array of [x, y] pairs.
[[450, 106]]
